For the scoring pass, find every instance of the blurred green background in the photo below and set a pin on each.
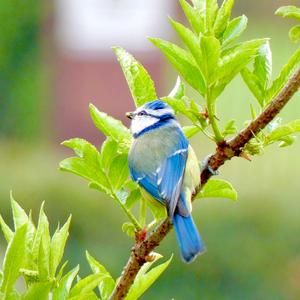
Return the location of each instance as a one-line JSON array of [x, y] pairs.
[[253, 245]]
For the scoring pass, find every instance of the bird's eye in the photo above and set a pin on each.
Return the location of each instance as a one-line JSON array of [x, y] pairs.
[[142, 113]]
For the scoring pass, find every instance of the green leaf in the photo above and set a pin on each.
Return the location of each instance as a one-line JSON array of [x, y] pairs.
[[294, 33], [289, 11], [140, 84], [263, 65], [234, 29], [129, 229], [133, 197], [19, 215], [223, 17], [57, 247], [87, 164], [64, 285], [13, 260], [178, 91], [232, 62], [180, 106], [195, 16], [111, 127], [109, 151], [190, 131], [253, 84], [211, 10], [42, 230], [43, 259], [230, 128], [119, 171], [218, 188], [183, 62], [144, 280], [87, 284], [190, 40], [107, 285], [284, 76], [210, 49], [38, 290], [283, 131], [7, 232], [200, 4], [87, 296]]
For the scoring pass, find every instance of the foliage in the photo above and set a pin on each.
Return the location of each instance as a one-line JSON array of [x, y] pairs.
[[36, 256], [209, 60]]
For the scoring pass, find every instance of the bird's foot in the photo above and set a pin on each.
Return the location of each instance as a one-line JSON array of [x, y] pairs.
[[205, 166]]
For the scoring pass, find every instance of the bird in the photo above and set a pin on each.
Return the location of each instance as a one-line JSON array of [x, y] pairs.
[[165, 166]]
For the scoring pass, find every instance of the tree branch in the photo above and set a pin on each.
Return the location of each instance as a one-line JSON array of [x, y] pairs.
[[225, 151]]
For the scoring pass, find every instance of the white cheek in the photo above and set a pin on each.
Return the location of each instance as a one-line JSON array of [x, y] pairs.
[[139, 123]]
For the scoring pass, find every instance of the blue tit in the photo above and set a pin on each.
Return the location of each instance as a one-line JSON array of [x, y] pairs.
[[165, 166]]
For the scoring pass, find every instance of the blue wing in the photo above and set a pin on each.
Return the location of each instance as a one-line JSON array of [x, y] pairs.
[[161, 176], [147, 181], [170, 173]]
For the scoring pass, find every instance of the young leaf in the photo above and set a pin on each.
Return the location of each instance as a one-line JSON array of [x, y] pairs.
[[294, 33], [140, 84], [194, 15], [129, 229], [86, 296], [119, 171], [109, 151], [144, 280], [13, 260], [234, 61], [38, 290], [234, 29], [107, 285], [110, 127], [210, 49], [283, 131], [87, 165], [87, 284], [284, 76], [42, 229], [200, 4], [57, 247], [289, 11], [230, 128], [211, 9], [133, 197], [19, 215], [64, 285], [183, 62], [190, 40], [218, 188], [253, 84], [263, 65], [43, 259], [7, 232], [178, 91], [223, 17], [190, 131]]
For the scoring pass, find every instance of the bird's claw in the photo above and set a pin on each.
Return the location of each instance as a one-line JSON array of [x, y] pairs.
[[205, 166]]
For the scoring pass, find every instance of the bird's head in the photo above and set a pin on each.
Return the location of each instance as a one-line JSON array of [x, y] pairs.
[[150, 116]]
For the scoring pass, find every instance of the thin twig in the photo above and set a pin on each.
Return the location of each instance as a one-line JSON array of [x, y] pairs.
[[225, 151]]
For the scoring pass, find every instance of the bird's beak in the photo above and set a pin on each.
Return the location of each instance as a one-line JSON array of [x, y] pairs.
[[129, 115]]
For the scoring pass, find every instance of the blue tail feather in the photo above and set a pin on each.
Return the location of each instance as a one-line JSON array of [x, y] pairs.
[[189, 240]]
